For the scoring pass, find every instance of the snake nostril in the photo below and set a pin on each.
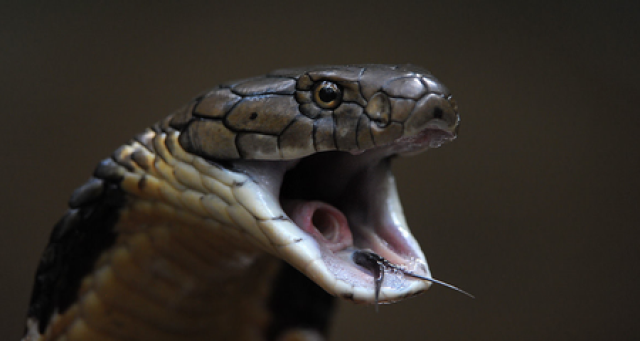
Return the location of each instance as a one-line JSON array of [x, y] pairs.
[[438, 113]]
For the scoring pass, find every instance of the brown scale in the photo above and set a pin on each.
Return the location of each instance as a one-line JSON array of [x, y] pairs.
[[341, 108]]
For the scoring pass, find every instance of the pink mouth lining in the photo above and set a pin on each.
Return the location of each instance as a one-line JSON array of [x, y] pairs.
[[325, 223]]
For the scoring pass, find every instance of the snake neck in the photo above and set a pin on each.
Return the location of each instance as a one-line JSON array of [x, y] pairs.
[[172, 261], [164, 279], [156, 246]]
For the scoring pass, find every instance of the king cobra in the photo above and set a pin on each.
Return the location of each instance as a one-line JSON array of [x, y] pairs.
[[243, 214]]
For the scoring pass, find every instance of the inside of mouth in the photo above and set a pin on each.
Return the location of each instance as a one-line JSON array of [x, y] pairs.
[[329, 225], [343, 203], [339, 204], [322, 221], [348, 203]]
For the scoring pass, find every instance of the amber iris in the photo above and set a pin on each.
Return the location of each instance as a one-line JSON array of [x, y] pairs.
[[327, 95]]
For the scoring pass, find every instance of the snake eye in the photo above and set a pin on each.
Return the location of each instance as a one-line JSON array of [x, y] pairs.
[[327, 95]]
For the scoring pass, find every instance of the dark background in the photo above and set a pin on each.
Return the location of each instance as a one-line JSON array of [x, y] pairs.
[[534, 209]]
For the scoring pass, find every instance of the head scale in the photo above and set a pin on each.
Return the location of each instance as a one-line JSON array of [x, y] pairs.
[[293, 113]]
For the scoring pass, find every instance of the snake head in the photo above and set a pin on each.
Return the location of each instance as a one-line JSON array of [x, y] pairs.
[[317, 144]]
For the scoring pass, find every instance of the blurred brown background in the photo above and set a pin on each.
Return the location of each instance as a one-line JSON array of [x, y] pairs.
[[534, 209]]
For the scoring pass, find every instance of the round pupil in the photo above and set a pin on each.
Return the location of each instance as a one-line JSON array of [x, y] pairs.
[[327, 93]]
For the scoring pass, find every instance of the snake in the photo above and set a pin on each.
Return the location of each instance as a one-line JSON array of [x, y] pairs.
[[244, 214]]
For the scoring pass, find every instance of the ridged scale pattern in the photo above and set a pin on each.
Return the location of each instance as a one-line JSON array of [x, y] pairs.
[[179, 257]]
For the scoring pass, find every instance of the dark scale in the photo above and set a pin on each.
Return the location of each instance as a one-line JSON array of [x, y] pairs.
[[76, 242], [297, 302]]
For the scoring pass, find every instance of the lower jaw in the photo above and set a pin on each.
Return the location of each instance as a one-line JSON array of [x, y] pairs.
[[346, 203], [337, 242]]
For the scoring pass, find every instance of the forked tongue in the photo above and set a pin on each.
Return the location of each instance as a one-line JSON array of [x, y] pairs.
[[330, 228]]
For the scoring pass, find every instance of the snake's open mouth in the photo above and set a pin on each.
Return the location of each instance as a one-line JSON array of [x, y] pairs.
[[341, 203], [349, 203]]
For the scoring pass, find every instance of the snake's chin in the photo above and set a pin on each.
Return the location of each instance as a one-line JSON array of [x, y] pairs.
[[344, 202]]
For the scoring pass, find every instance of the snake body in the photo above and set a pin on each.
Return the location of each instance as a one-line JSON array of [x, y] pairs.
[[237, 216]]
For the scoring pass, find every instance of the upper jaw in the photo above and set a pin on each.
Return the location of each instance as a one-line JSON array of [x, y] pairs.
[[325, 207]]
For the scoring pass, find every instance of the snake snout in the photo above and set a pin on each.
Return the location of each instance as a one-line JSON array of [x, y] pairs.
[[433, 111]]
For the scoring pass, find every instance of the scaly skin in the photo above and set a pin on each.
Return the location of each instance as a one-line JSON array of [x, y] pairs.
[[179, 237]]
